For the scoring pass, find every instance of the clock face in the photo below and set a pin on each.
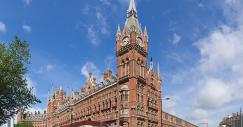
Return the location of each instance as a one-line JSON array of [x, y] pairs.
[[140, 42], [125, 41]]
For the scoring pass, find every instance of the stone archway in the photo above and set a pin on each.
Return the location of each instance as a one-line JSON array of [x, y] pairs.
[[124, 124]]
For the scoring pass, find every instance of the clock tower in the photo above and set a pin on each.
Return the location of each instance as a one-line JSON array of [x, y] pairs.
[[137, 84], [131, 46]]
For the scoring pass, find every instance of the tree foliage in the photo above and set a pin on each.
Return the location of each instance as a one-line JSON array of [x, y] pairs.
[[25, 124], [15, 94]]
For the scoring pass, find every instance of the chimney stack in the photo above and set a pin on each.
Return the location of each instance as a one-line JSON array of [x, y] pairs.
[[107, 74]]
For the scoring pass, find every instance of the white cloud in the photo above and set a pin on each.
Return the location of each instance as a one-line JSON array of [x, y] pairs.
[[99, 28], [92, 35], [217, 77], [86, 9], [46, 68], [221, 67], [90, 67], [110, 62], [230, 1], [49, 67], [27, 28], [106, 2], [199, 114], [3, 27], [102, 21], [176, 39], [31, 84], [214, 94], [27, 2]]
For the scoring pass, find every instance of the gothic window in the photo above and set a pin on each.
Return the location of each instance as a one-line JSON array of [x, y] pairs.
[[140, 93], [142, 66], [127, 66], [142, 98], [138, 98], [152, 79], [124, 69]]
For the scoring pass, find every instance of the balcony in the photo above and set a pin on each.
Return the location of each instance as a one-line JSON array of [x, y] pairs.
[[124, 79], [141, 79]]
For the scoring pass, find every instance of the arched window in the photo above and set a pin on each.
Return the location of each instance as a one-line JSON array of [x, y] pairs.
[[106, 103], [103, 105], [138, 67], [142, 69], [122, 68], [124, 93]]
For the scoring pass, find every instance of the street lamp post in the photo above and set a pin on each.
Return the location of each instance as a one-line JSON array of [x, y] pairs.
[[240, 118], [71, 116], [165, 99]]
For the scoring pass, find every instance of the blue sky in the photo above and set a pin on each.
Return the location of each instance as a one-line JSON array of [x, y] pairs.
[[198, 43]]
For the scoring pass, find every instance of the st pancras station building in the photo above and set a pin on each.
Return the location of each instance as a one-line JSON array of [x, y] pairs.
[[130, 98]]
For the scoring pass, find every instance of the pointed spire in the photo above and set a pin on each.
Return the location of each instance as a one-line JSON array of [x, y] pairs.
[[48, 97], [132, 17], [132, 6], [52, 90], [60, 88], [118, 30], [145, 31], [158, 70]]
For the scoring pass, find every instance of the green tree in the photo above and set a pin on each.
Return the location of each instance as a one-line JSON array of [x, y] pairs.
[[15, 94], [25, 124]]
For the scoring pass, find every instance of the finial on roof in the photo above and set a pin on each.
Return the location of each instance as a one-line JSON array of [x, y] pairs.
[[52, 90], [90, 74], [132, 6]]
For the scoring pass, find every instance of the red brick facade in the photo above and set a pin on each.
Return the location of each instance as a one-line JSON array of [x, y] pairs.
[[132, 98]]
